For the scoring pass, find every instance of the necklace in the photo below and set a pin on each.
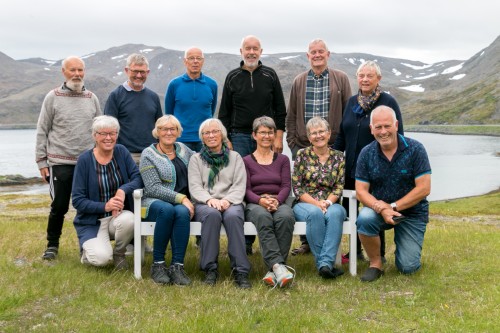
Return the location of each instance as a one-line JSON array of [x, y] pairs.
[[264, 159], [164, 152]]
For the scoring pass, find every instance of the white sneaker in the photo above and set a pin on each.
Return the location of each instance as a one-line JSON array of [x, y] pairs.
[[283, 276], [148, 248], [84, 260], [270, 279], [130, 250]]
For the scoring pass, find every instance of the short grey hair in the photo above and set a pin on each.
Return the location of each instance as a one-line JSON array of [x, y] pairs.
[[163, 120], [263, 121], [73, 57], [317, 41], [316, 122], [248, 37], [138, 59], [103, 122], [192, 48], [371, 64], [213, 121], [382, 108]]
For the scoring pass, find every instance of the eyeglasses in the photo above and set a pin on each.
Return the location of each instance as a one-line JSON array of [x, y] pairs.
[[318, 133], [207, 133], [167, 129], [369, 76], [192, 59], [135, 72], [105, 134], [264, 133]]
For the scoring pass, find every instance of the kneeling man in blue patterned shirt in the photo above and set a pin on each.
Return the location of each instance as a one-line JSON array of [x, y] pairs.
[[393, 179]]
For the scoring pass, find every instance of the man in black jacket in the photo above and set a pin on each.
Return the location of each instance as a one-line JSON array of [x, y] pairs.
[[251, 91]]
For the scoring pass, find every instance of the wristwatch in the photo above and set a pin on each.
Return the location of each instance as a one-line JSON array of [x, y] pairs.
[[394, 206]]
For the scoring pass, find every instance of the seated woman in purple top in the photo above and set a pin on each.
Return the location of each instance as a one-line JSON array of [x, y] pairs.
[[268, 186]]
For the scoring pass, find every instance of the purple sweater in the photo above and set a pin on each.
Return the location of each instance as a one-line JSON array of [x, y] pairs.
[[267, 179]]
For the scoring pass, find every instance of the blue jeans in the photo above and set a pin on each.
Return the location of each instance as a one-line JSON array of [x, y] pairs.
[[172, 224], [243, 143], [323, 231], [408, 236]]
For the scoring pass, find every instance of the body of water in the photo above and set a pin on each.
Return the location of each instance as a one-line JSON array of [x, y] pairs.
[[462, 165]]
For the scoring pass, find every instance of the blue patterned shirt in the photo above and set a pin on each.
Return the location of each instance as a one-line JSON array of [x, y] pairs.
[[391, 180]]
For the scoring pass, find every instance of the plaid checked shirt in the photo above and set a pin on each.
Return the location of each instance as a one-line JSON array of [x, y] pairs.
[[317, 95]]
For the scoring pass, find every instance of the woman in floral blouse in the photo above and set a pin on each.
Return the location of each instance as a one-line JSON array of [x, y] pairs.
[[318, 181]]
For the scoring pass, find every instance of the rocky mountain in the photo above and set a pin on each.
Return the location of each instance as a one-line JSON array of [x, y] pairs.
[[449, 92]]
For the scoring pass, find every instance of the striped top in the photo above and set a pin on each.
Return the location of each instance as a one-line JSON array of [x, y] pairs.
[[109, 180]]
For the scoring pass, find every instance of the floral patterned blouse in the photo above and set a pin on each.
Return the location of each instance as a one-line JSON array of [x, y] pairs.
[[316, 179]]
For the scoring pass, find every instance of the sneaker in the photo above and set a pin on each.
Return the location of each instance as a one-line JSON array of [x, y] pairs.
[[302, 249], [148, 248], [241, 281], [270, 279], [120, 261], [283, 275], [360, 256], [50, 253], [178, 275], [211, 277], [84, 260], [372, 274], [159, 273], [130, 250]]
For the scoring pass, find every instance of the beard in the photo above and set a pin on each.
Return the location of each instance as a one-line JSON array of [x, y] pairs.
[[75, 85]]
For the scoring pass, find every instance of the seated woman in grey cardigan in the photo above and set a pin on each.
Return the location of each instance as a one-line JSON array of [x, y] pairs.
[[217, 182], [163, 169]]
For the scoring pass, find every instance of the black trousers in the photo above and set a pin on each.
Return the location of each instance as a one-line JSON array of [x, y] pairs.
[[61, 181]]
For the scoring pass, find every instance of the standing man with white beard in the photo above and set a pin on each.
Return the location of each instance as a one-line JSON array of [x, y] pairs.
[[64, 131], [251, 91]]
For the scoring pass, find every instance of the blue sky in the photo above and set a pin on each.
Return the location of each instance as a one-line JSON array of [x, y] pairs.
[[425, 30]]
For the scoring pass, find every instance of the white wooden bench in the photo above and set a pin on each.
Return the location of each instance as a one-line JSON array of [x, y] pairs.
[[146, 228]]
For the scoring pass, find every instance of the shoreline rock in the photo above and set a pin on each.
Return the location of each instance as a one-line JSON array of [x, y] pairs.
[[15, 180]]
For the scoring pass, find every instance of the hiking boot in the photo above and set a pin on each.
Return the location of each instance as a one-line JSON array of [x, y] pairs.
[[283, 275], [248, 249], [178, 275], [50, 253], [211, 277], [270, 279], [159, 273], [372, 274], [129, 250], [303, 249], [120, 261], [241, 281]]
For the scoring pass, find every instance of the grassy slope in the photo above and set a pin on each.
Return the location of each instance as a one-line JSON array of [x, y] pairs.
[[456, 291]]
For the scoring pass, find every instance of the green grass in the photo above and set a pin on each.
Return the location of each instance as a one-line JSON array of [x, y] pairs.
[[457, 289]]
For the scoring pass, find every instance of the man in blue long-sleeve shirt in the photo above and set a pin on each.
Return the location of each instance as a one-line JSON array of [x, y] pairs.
[[191, 98]]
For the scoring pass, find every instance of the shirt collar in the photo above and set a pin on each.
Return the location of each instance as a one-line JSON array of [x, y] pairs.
[[128, 88]]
